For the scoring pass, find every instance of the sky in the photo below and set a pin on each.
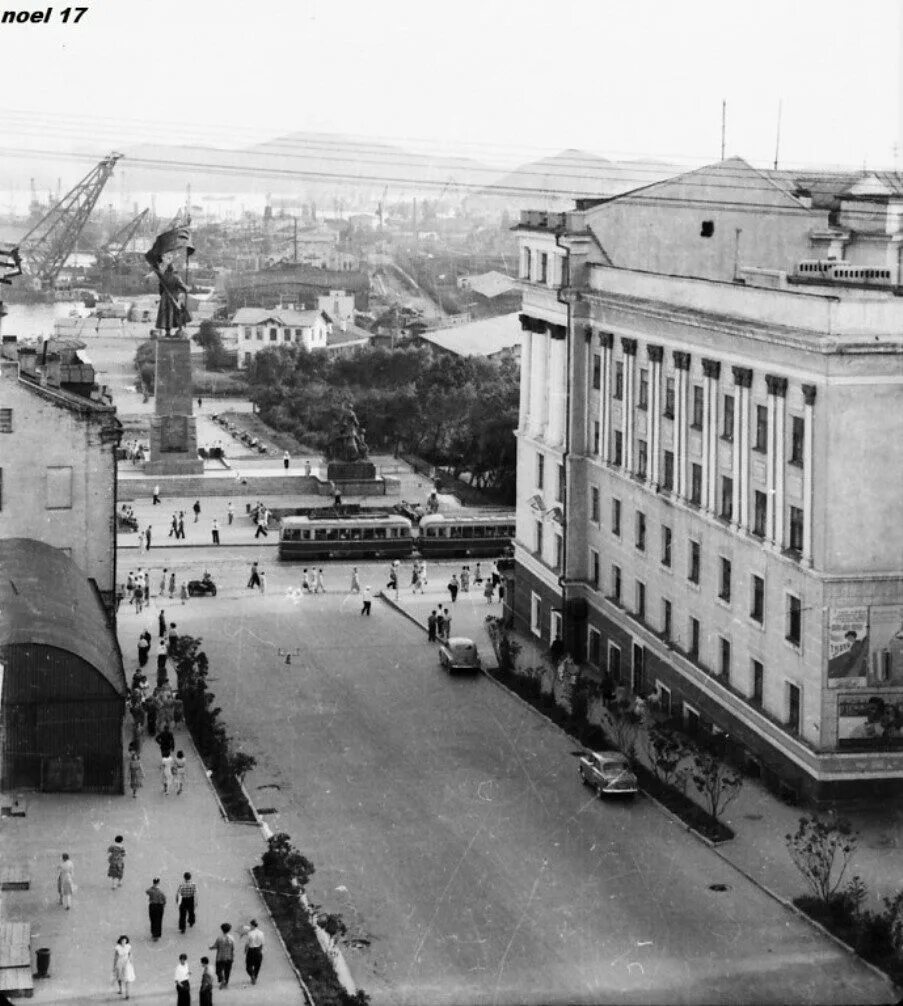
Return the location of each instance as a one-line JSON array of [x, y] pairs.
[[504, 82]]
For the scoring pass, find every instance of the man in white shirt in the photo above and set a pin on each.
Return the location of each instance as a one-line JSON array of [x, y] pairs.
[[183, 986], [253, 951]]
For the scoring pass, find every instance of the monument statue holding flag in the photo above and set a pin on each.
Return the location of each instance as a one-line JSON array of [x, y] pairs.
[[172, 312]]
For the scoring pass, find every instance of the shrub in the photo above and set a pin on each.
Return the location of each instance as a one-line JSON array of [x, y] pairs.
[[822, 850], [667, 751], [282, 859], [717, 783]]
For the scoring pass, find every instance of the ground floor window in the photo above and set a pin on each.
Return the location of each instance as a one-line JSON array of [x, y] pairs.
[[691, 719], [594, 646], [614, 663], [664, 698], [535, 614], [555, 626]]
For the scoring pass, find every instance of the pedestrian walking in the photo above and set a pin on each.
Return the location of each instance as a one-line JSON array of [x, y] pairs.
[[187, 900], [180, 533], [166, 741], [285, 460], [156, 495], [178, 772], [453, 587], [162, 589], [224, 945], [161, 660], [182, 977], [136, 773], [465, 579], [156, 903], [144, 642], [495, 575], [215, 531], [355, 581], [147, 590], [501, 593], [488, 590], [321, 584], [123, 969], [261, 525], [307, 467], [230, 512], [172, 585], [423, 580], [200, 402], [197, 510], [173, 527], [431, 627], [254, 581], [150, 711], [446, 617], [478, 574], [253, 951], [147, 535], [440, 625], [208, 976], [65, 884], [166, 763], [161, 622], [263, 581], [365, 610], [140, 542], [393, 580], [116, 861], [138, 596], [305, 580]]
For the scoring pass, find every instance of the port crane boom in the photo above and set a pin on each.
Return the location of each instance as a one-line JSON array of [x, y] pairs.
[[114, 247], [52, 240]]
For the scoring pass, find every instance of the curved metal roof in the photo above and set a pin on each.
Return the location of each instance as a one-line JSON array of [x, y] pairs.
[[46, 599]]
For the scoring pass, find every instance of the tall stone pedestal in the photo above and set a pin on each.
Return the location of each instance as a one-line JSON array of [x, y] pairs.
[[350, 471], [173, 432]]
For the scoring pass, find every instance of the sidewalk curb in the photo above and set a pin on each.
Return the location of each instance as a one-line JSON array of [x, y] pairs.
[[334, 955], [207, 776]]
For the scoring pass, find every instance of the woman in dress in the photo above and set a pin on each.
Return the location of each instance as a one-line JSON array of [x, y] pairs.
[[123, 971], [136, 773], [116, 859], [64, 884]]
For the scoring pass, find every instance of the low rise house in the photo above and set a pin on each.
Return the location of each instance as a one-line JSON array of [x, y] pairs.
[[259, 328]]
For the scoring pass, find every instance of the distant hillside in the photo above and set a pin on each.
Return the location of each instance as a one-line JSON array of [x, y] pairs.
[[554, 182]]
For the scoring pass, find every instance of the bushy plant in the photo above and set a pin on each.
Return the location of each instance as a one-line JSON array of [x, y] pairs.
[[625, 725], [822, 850], [282, 859], [716, 782], [668, 752]]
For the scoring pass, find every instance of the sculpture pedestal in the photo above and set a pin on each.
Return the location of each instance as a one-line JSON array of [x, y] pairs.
[[350, 471], [173, 432]]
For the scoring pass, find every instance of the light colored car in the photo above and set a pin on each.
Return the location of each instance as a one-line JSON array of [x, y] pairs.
[[608, 773], [459, 654]]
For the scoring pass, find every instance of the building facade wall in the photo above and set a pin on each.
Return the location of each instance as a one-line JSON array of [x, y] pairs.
[[58, 472]]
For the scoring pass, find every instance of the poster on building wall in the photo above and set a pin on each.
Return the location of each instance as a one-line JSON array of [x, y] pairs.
[[869, 720], [848, 644], [886, 644]]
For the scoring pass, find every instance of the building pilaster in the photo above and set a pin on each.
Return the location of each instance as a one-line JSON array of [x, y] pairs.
[[809, 391], [740, 457], [629, 347], [606, 340], [655, 354], [777, 391], [682, 373], [711, 370]]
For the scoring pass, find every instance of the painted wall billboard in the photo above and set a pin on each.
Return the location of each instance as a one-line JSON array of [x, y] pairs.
[[868, 720], [848, 648], [886, 644]]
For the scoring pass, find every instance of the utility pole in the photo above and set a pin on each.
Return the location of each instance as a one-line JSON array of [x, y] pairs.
[[777, 142], [723, 125], [295, 253]]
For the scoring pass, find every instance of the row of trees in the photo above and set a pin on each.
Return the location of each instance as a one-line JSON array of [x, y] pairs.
[[457, 413]]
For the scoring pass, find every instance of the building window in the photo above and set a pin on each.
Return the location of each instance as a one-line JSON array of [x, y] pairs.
[[664, 698], [619, 380], [693, 569], [640, 528], [248, 358], [543, 267], [616, 583], [539, 538], [287, 335], [642, 458], [596, 435], [540, 471], [761, 428], [796, 529], [669, 398], [594, 568], [619, 448], [614, 663], [793, 708], [757, 606], [535, 614], [597, 371], [758, 675], [760, 513], [594, 646], [528, 264], [707, 229], [724, 589], [59, 487], [697, 407], [554, 625], [696, 484], [666, 545], [724, 658], [247, 334], [643, 401], [727, 427], [693, 652], [797, 436], [561, 484], [727, 497], [616, 517], [259, 332], [559, 552], [594, 504], [641, 601], [668, 475], [691, 720], [794, 620], [6, 420], [666, 619]]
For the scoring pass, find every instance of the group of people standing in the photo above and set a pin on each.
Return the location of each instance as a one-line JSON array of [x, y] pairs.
[[137, 589]]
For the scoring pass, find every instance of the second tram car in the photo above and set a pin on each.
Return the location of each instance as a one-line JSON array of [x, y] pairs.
[[477, 535]]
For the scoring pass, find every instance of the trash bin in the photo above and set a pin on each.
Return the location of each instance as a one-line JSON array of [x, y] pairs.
[[42, 959]]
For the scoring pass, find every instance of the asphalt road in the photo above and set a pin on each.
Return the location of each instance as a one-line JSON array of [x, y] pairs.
[[448, 825]]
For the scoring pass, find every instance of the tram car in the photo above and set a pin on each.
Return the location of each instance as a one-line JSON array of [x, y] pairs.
[[467, 535], [386, 536], [840, 272]]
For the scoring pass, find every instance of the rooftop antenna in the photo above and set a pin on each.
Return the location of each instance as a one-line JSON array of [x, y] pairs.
[[777, 142], [723, 125]]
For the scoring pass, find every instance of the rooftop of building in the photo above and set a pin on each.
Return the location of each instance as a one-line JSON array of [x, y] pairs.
[[58, 370], [491, 284], [485, 337], [46, 600], [286, 316]]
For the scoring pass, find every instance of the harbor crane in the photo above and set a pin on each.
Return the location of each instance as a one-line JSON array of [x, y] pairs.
[[114, 247], [47, 246]]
